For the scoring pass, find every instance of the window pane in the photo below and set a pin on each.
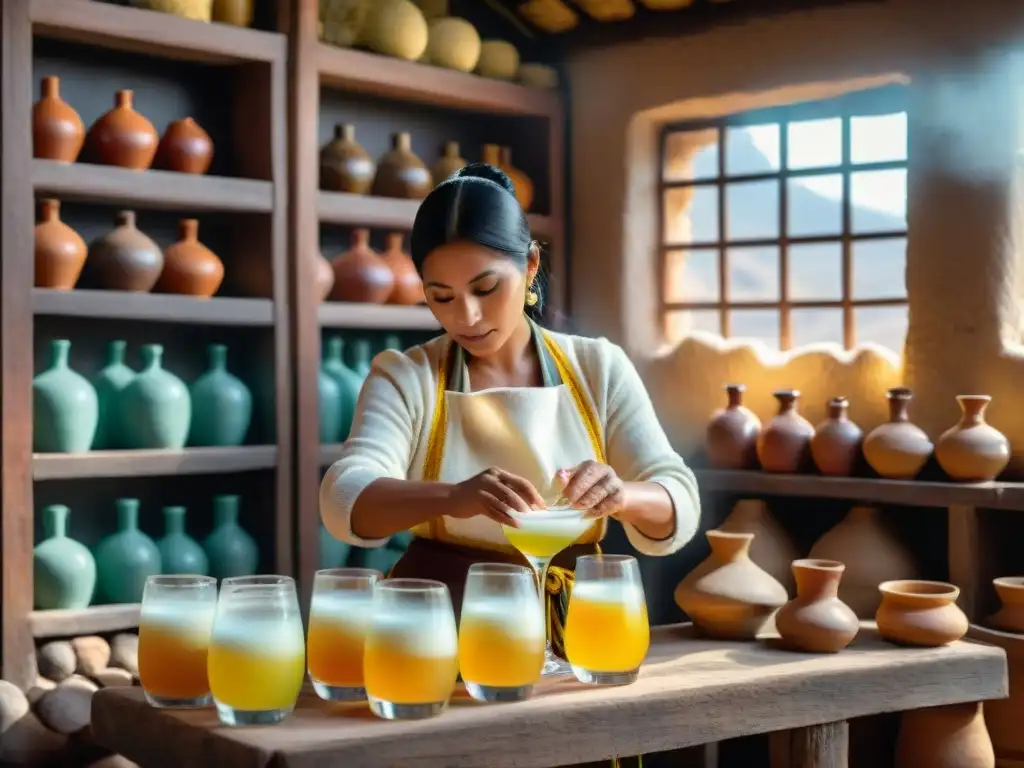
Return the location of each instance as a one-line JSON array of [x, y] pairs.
[[751, 149], [882, 325], [691, 214], [816, 272], [879, 201], [753, 274], [760, 324], [815, 206], [752, 210], [684, 322], [691, 276], [878, 138], [691, 155], [879, 268], [815, 143], [813, 326]]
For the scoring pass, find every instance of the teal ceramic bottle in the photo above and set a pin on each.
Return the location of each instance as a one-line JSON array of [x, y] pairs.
[[221, 404], [155, 407], [349, 382], [65, 410], [329, 397], [333, 553], [110, 382], [230, 550], [362, 357], [179, 552], [64, 570], [393, 341], [124, 560]]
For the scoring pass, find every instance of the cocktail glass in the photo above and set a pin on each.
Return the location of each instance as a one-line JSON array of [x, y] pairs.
[[174, 636], [257, 654], [339, 616], [501, 633]]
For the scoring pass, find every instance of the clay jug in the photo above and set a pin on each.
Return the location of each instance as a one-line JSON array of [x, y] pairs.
[[324, 274], [221, 404], [124, 259], [897, 450], [179, 552], [344, 165], [871, 553], [944, 737], [449, 162], [110, 383], [732, 433], [835, 446], [190, 268], [65, 409], [773, 549], [155, 408], [784, 444], [408, 285], [124, 560], [236, 12], [185, 148], [230, 549], [920, 613], [122, 137], [733, 598], [64, 570], [57, 131], [972, 451], [816, 620], [1010, 617], [400, 173], [521, 182], [360, 274], [59, 250]]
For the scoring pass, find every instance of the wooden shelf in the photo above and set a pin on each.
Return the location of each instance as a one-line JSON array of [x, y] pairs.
[[147, 463], [156, 307], [381, 317], [94, 620], [349, 70], [153, 33], [150, 189], [330, 453]]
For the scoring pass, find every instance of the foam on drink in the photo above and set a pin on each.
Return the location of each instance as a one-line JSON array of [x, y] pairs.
[[260, 635], [415, 629], [348, 607], [185, 617], [516, 616], [620, 593]]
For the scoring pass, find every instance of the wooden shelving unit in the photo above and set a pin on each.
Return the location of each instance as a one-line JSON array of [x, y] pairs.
[[339, 314], [94, 620], [145, 463], [154, 307]]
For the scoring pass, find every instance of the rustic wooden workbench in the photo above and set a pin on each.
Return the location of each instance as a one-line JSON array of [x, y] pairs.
[[691, 691]]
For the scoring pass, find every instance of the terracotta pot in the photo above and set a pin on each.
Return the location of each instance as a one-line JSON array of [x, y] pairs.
[[236, 12], [360, 274], [191, 269], [124, 259], [122, 137], [1010, 617], [59, 250], [816, 620], [944, 737], [835, 446], [972, 451], [897, 449], [344, 165], [784, 445], [773, 549], [400, 173], [408, 285], [256, 279], [449, 162], [185, 148], [1002, 716], [324, 277], [522, 183], [732, 433], [920, 613], [57, 131], [732, 599]]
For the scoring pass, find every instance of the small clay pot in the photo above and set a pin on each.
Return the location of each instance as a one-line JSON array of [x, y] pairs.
[[920, 613], [185, 148], [1010, 617], [732, 433], [360, 274], [124, 259], [449, 162], [59, 250], [408, 285], [784, 445], [190, 268], [816, 620], [400, 173], [953, 736], [972, 451], [57, 130], [835, 446], [898, 450], [324, 277], [344, 165], [521, 182], [122, 137]]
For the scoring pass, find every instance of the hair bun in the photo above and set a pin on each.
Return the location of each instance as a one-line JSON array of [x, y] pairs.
[[488, 172]]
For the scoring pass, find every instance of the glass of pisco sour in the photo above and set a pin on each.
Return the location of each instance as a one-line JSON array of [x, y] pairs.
[[410, 661], [501, 633], [339, 615], [174, 635], [257, 658], [607, 633], [541, 534]]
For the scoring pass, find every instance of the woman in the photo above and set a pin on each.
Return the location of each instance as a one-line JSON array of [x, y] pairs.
[[498, 414]]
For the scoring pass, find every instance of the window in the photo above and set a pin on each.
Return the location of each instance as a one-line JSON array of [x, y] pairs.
[[789, 225]]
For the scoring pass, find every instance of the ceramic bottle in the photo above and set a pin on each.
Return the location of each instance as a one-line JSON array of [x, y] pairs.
[[360, 274], [333, 553], [230, 550], [348, 381], [221, 404], [59, 250], [65, 409], [898, 450], [521, 182], [124, 259], [732, 433], [972, 451], [57, 131], [361, 358], [816, 620], [64, 570], [393, 341], [920, 613], [400, 173], [179, 552], [155, 407], [122, 136], [835, 446], [772, 549], [190, 268], [449, 162], [945, 737], [344, 165], [329, 398], [784, 444], [125, 559], [408, 287], [110, 384], [185, 147]]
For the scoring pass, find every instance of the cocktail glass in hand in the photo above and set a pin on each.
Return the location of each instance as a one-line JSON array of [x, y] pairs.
[[410, 661], [541, 535], [501, 634], [339, 616], [258, 651], [607, 633], [174, 636]]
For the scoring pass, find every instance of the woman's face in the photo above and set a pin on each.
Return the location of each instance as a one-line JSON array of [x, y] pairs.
[[476, 294]]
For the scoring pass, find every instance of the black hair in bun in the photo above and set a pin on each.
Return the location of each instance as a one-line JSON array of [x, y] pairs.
[[489, 172]]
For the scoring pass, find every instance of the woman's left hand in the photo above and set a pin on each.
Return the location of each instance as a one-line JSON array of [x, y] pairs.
[[594, 487]]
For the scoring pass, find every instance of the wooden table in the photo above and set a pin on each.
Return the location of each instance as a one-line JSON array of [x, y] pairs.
[[691, 691]]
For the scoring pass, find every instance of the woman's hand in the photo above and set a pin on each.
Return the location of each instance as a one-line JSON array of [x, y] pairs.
[[593, 487], [494, 493]]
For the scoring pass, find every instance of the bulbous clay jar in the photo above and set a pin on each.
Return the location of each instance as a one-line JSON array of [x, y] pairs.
[[408, 285], [773, 548], [521, 182], [449, 162], [400, 173], [954, 736], [816, 620], [898, 450], [732, 433], [185, 148], [59, 250], [324, 277], [190, 268], [57, 131], [732, 598], [1010, 617], [124, 259], [784, 445], [122, 137], [360, 274], [972, 451], [920, 613], [835, 446], [344, 165]]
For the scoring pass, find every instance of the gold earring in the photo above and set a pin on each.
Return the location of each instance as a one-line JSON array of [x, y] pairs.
[[532, 299]]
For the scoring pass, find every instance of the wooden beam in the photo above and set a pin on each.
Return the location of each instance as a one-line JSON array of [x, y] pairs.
[[817, 746]]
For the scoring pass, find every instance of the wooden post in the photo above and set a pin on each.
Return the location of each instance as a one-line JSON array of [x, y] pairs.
[[968, 566], [816, 746]]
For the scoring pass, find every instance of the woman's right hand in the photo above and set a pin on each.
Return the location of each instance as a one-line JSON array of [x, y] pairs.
[[494, 493]]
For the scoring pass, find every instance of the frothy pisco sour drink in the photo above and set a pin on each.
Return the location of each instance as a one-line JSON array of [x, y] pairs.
[[543, 533], [338, 622], [501, 640]]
